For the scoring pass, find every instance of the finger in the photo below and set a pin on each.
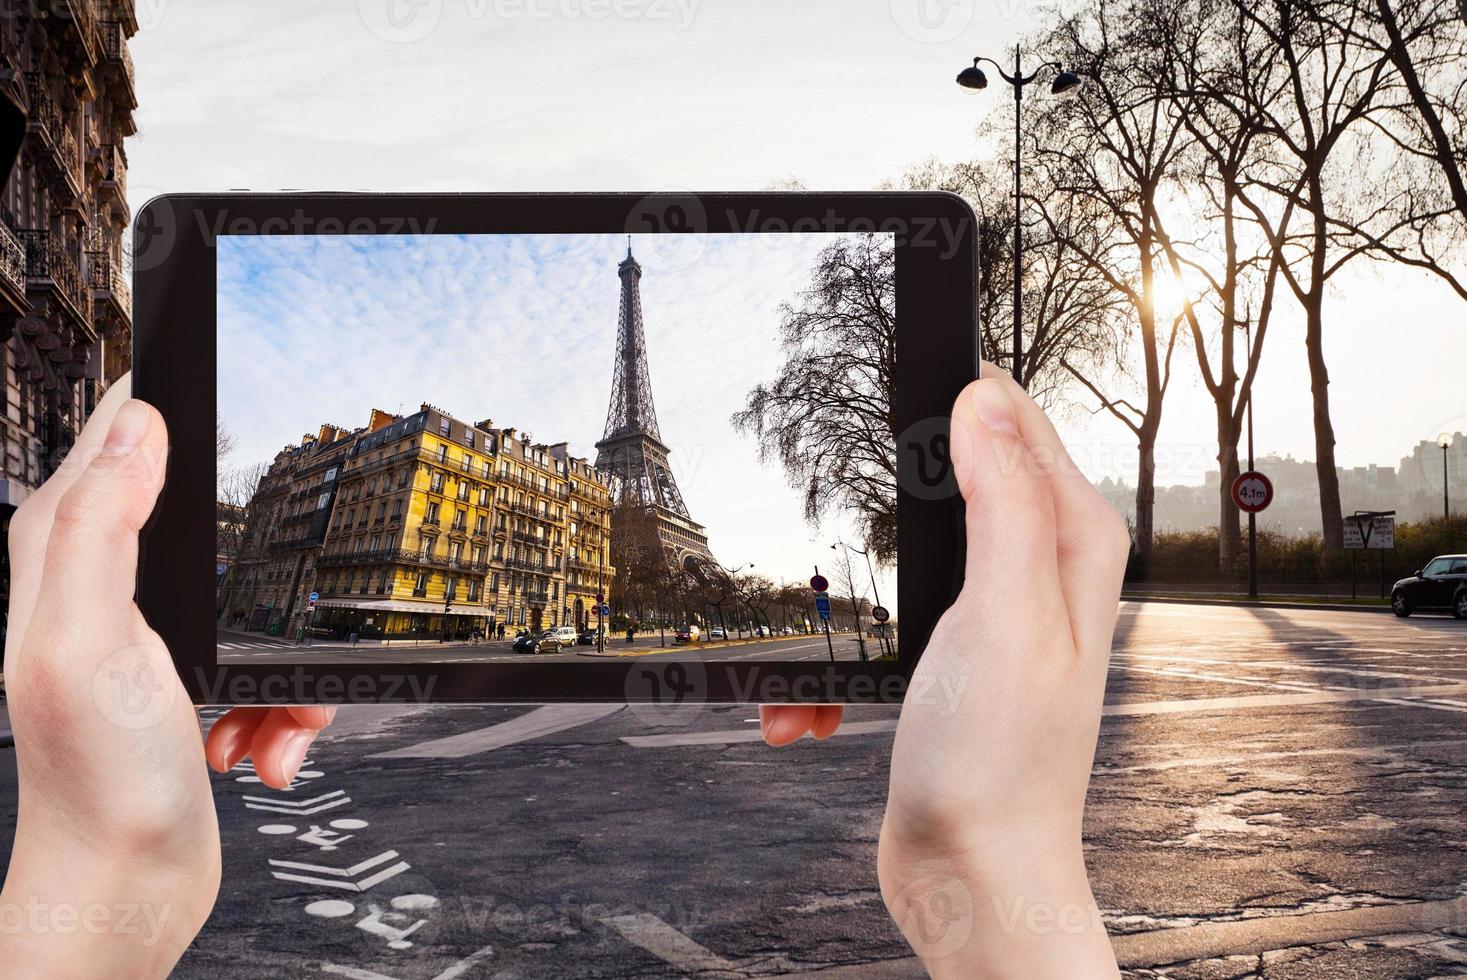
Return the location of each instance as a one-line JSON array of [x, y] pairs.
[[827, 720], [93, 546], [30, 527], [312, 716], [1091, 540], [1010, 510], [279, 747], [229, 739], [785, 723]]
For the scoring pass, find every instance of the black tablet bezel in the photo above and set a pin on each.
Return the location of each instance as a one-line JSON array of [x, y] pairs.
[[174, 368]]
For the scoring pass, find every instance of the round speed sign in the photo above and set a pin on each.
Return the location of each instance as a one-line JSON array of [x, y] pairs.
[[1252, 491]]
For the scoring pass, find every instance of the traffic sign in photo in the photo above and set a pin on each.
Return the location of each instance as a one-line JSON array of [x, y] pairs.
[[819, 583], [1252, 491], [1372, 532], [880, 613], [822, 604]]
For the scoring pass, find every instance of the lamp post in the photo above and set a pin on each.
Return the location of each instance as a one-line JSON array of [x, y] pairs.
[[1066, 84], [1445, 441], [731, 572], [855, 606]]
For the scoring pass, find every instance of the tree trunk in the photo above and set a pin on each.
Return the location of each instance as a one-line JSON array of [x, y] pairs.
[[1145, 489], [1331, 516], [1229, 530]]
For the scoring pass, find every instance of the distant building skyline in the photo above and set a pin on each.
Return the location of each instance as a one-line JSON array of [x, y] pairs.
[[1412, 488]]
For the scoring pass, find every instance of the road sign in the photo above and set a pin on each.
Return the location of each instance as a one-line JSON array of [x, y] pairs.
[[605, 609], [880, 613], [818, 583], [600, 599], [314, 596], [1252, 491], [822, 604], [1370, 531]]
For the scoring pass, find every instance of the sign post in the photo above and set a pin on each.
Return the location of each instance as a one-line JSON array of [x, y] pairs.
[[600, 622], [1370, 530], [819, 585], [1252, 492]]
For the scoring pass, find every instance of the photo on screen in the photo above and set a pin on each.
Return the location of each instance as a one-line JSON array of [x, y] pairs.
[[492, 448]]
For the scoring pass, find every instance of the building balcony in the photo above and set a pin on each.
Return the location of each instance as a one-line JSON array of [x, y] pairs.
[[51, 273], [403, 556], [112, 190], [111, 292], [12, 272], [118, 59]]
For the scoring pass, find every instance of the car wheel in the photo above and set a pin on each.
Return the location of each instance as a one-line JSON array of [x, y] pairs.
[[1459, 605], [1400, 605]]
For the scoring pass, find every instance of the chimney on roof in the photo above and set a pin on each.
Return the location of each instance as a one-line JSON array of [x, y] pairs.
[[380, 420], [487, 425]]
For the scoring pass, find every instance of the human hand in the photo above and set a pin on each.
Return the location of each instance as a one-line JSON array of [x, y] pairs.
[[115, 862], [980, 857]]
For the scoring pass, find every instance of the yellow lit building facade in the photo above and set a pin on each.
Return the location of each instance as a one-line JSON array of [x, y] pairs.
[[434, 529]]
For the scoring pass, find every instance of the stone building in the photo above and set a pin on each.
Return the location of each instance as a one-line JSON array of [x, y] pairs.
[[68, 93]]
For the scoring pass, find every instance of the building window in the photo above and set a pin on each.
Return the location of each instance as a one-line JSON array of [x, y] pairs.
[[436, 484], [444, 427], [443, 454], [469, 438], [480, 526], [420, 589]]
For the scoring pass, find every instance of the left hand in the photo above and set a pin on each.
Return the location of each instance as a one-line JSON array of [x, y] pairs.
[[115, 863]]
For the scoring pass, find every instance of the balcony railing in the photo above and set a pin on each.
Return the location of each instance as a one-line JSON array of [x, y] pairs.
[[118, 54], [114, 169], [84, 16], [48, 261], [12, 259], [405, 557], [106, 276]]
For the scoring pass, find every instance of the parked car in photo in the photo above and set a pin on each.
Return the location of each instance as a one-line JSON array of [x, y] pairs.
[[565, 635], [717, 633], [687, 634], [1442, 584], [761, 631], [788, 631], [587, 637], [524, 642]]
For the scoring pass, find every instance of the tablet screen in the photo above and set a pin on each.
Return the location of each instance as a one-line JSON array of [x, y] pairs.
[[446, 448]]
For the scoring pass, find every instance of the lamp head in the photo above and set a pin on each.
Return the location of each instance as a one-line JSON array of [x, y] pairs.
[[973, 78], [1066, 85], [1444, 440]]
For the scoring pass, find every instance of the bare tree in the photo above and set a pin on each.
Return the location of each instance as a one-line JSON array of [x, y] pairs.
[[827, 416]]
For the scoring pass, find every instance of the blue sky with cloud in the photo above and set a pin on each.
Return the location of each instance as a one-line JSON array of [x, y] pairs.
[[522, 329]]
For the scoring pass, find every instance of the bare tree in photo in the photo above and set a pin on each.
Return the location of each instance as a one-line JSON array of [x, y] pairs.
[[827, 416]]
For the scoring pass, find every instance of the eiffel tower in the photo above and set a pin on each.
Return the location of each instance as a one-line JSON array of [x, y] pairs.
[[631, 452]]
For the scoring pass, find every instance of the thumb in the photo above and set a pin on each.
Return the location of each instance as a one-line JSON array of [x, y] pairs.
[[93, 546]]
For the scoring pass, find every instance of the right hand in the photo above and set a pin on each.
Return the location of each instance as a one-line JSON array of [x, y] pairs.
[[987, 794]]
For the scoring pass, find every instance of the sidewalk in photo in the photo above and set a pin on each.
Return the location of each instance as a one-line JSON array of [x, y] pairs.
[[705, 645]]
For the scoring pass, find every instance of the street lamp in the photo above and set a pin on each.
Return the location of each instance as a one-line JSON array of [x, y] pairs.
[[731, 572], [1065, 85], [855, 607], [1445, 441]]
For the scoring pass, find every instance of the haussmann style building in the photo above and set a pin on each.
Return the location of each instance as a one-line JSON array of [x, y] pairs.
[[421, 528]]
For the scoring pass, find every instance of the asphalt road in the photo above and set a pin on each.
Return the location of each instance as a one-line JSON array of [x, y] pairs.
[[1277, 794], [253, 648]]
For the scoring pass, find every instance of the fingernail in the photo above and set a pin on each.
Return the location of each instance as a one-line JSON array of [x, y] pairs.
[[293, 753], [129, 426], [995, 407], [234, 750], [766, 721]]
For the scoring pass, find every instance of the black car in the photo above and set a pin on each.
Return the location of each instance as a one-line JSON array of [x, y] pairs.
[[524, 643], [1442, 584], [587, 638]]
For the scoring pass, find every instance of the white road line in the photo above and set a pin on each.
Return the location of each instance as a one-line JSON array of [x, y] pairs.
[[452, 973], [744, 735], [670, 946], [534, 724]]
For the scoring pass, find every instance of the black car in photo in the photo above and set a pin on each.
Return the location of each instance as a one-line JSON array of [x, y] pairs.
[[1442, 584]]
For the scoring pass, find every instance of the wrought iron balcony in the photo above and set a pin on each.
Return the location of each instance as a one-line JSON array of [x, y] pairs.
[[109, 285], [49, 265], [12, 264], [113, 161], [115, 37]]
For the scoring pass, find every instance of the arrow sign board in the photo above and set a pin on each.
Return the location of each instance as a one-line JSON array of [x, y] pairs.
[[819, 584], [314, 596], [1252, 491], [880, 613], [605, 610], [822, 604]]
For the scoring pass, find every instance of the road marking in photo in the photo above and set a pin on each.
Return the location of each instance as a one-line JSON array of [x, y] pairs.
[[346, 879], [546, 720], [456, 970]]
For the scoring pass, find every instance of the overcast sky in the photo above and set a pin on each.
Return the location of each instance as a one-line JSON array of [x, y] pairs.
[[522, 329], [643, 95]]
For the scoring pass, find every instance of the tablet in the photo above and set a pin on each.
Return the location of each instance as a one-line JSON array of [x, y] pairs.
[[536, 448]]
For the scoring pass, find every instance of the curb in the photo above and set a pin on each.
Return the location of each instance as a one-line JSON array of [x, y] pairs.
[[1255, 603], [702, 646]]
